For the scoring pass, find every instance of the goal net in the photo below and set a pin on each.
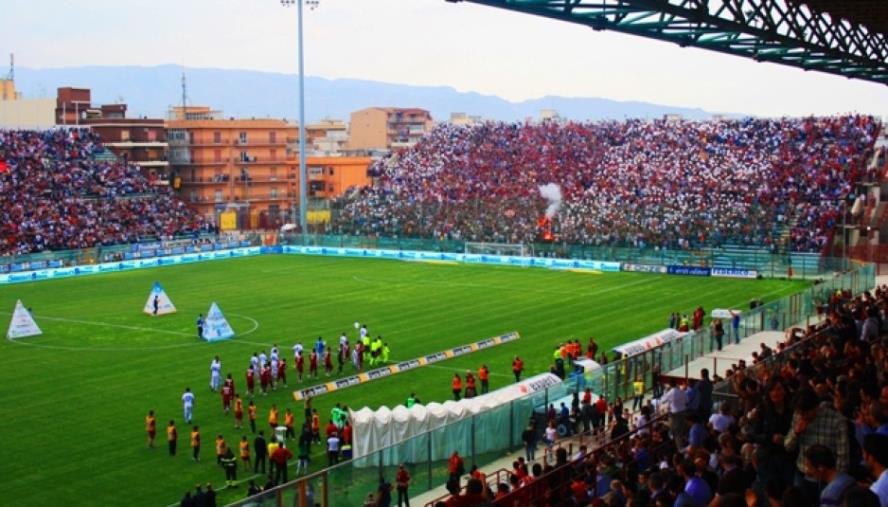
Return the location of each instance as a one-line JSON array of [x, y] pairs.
[[515, 249]]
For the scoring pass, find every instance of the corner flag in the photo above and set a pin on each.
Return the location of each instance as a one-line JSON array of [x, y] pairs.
[[22, 323]]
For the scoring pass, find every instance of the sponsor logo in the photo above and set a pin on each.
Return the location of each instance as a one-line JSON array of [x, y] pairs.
[[378, 373], [508, 337], [434, 358], [483, 344], [409, 365], [347, 382], [464, 349], [644, 268], [313, 391], [734, 273], [541, 384], [688, 271]]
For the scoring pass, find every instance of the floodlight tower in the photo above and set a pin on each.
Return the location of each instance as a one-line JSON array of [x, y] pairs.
[[303, 201]]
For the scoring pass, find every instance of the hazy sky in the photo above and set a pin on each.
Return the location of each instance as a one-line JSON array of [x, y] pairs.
[[423, 42]]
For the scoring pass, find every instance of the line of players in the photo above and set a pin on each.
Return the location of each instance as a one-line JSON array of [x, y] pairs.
[[271, 369]]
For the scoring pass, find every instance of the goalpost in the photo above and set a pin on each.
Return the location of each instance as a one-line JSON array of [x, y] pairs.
[[514, 249]]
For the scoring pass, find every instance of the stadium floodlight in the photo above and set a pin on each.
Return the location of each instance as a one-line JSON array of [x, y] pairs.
[[303, 204]]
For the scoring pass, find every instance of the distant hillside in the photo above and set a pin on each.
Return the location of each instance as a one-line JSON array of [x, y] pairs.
[[243, 93]]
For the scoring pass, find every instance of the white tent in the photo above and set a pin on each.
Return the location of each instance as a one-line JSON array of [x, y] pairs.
[[215, 326], [164, 304], [22, 323], [385, 427]]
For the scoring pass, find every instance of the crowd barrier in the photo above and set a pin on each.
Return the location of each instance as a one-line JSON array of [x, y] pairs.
[[420, 255]]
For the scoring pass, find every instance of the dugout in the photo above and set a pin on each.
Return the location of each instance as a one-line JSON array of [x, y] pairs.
[[488, 423]]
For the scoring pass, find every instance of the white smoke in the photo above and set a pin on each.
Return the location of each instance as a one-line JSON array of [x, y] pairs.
[[552, 193]]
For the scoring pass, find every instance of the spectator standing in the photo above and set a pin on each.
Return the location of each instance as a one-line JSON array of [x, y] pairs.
[[814, 424], [260, 449], [402, 480], [676, 401]]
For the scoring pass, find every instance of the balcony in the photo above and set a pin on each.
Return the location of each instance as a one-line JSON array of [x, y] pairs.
[[218, 180], [150, 163]]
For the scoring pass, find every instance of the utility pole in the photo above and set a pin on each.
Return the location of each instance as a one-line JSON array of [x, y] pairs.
[[303, 199]]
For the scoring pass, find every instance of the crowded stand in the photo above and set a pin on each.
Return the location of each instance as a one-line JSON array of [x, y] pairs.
[[807, 425], [57, 196], [638, 183]]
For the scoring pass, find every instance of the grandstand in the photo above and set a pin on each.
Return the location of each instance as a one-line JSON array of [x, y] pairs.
[[765, 222], [772, 185], [61, 193]]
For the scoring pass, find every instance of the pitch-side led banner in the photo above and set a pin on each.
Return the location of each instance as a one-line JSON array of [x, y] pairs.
[[125, 265], [413, 255], [394, 369], [734, 273], [688, 271], [643, 268]]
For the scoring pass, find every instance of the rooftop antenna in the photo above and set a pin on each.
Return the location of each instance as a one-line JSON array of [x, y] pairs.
[[11, 67], [184, 94]]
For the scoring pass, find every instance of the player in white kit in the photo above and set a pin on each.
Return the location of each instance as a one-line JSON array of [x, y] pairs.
[[215, 374]]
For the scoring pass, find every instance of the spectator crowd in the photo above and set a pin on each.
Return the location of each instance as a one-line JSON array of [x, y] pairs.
[[58, 196], [638, 183], [805, 426]]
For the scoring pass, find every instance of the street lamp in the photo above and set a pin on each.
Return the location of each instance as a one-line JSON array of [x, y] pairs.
[[303, 204]]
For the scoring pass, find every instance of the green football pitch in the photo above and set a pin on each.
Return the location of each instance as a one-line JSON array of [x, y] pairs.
[[75, 398]]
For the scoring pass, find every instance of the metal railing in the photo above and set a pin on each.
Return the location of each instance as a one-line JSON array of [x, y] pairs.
[[769, 265]]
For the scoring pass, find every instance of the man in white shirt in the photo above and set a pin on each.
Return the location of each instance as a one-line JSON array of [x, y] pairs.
[[723, 420], [263, 359], [188, 404], [215, 374], [676, 401], [274, 352], [297, 350], [333, 449], [875, 455], [343, 339], [254, 362]]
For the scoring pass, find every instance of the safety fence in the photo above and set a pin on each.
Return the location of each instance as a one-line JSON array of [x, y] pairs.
[[484, 437], [760, 260]]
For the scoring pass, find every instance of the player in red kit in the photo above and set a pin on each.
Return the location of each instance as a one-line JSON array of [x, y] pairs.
[[328, 362], [300, 366], [282, 371], [230, 382], [227, 394], [251, 380], [265, 378], [313, 364]]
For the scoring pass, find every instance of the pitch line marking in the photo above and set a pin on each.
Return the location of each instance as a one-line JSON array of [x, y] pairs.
[[123, 326]]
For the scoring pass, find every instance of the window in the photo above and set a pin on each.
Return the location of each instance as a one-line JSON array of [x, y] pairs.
[[218, 196], [273, 154], [242, 138], [274, 193], [272, 137], [217, 155], [217, 137], [244, 157], [124, 135], [273, 173], [331, 171]]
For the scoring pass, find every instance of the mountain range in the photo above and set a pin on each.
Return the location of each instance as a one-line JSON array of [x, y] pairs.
[[150, 91]]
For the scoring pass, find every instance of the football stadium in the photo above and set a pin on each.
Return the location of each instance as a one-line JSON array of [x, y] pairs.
[[555, 312]]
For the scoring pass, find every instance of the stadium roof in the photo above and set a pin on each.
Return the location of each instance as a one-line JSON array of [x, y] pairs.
[[872, 14], [848, 38]]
